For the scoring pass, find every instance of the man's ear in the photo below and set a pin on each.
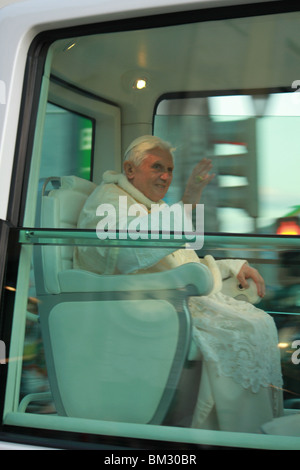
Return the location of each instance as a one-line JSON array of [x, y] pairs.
[[129, 169]]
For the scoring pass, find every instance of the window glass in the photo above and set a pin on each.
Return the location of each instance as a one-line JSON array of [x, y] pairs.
[[67, 355], [67, 144], [107, 353], [248, 137]]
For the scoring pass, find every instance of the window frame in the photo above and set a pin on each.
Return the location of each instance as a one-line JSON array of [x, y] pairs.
[[96, 109], [9, 229]]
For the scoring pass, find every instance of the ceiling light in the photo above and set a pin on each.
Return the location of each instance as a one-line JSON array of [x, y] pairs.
[[140, 84]]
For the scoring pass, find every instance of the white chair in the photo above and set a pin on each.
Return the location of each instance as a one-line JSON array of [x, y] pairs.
[[115, 345]]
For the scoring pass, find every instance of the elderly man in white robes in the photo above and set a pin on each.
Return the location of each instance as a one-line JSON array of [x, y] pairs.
[[240, 386]]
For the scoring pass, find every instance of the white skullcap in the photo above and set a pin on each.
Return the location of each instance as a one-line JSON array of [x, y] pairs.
[[150, 142]]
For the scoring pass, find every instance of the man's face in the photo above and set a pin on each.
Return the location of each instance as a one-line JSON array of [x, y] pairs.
[[154, 175]]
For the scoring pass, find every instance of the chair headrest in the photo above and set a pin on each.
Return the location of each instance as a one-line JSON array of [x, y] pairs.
[[72, 183], [77, 184]]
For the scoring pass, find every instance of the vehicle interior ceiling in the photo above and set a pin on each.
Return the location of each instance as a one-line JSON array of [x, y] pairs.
[[255, 53]]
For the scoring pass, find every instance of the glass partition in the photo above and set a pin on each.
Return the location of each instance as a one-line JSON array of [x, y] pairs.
[[59, 339], [129, 318], [108, 354]]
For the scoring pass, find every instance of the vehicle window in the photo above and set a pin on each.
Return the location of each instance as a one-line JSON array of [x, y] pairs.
[[106, 354], [247, 137]]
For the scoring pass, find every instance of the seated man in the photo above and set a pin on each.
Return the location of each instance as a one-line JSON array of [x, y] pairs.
[[240, 387]]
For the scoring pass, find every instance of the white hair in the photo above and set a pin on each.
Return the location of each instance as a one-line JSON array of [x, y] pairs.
[[140, 147]]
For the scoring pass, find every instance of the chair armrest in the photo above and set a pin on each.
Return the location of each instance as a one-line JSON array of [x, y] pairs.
[[195, 275]]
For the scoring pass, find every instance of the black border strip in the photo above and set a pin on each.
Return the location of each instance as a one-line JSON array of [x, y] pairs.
[[69, 440], [9, 253]]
